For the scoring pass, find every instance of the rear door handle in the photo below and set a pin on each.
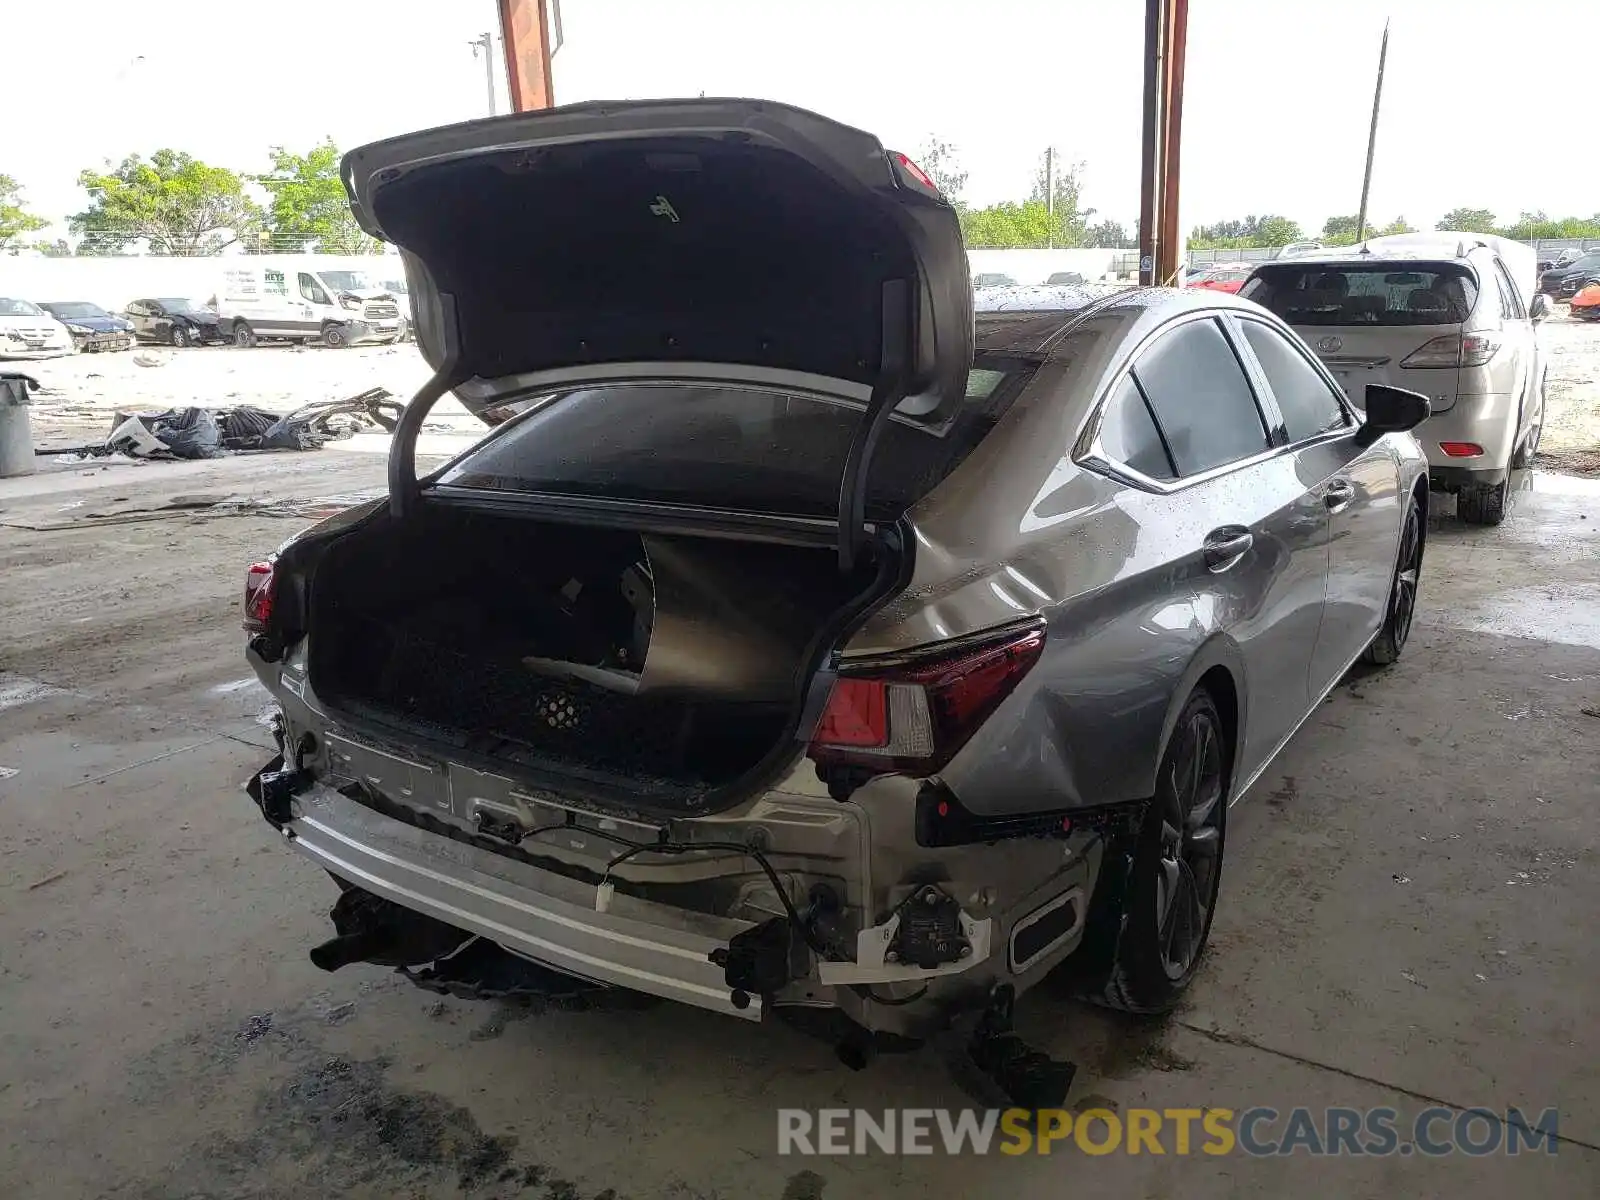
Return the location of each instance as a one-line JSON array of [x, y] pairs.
[[1340, 492], [1226, 546]]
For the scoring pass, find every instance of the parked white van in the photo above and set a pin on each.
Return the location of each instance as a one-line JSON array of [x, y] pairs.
[[301, 300]]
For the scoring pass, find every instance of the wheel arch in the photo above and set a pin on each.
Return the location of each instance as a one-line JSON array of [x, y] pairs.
[[1218, 667]]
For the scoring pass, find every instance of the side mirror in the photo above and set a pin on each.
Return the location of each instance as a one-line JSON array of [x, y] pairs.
[[1391, 410], [1539, 309]]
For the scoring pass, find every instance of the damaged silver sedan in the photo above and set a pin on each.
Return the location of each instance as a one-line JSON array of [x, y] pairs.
[[798, 644]]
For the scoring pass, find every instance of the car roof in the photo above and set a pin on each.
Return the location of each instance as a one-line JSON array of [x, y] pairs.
[[1035, 321]]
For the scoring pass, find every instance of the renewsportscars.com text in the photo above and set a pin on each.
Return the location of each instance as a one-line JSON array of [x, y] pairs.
[[1257, 1132]]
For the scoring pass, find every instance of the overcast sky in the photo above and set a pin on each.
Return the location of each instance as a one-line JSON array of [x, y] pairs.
[[1477, 107]]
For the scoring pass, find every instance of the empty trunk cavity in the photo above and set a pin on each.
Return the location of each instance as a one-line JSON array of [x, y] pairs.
[[671, 665]]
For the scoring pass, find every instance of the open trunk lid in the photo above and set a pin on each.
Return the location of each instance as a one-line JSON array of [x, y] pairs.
[[734, 239]]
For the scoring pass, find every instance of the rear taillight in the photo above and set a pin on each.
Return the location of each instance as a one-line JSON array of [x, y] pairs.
[[258, 597], [909, 170], [910, 716], [1453, 350]]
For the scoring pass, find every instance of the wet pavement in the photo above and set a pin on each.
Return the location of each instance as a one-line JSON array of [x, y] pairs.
[[1406, 921]]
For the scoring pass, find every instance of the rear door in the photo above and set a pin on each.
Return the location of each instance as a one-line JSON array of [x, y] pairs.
[[1259, 537], [1364, 320], [1358, 488], [1512, 371]]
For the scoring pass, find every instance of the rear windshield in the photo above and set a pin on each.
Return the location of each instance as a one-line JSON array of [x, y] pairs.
[[729, 447], [1313, 294]]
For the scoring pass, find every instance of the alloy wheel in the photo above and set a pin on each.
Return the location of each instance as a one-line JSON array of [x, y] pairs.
[[1188, 871], [1409, 569]]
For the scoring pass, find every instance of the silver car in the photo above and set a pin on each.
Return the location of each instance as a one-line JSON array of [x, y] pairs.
[[798, 644], [1456, 319]]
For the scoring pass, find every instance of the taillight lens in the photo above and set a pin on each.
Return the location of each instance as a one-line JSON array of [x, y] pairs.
[[258, 597], [911, 716], [1453, 350], [916, 173]]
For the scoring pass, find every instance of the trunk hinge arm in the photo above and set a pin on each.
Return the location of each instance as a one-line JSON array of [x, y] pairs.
[[889, 391], [403, 486]]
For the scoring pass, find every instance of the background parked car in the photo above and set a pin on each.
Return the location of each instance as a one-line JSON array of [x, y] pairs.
[[1563, 259], [1586, 304], [92, 327], [1227, 277], [1065, 279], [27, 331], [1296, 249], [175, 321], [1564, 282], [993, 279], [1453, 316]]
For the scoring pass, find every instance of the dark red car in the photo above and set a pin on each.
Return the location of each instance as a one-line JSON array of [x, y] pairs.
[[1228, 277]]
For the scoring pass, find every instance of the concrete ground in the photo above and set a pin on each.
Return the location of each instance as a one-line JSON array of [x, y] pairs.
[[1407, 917]]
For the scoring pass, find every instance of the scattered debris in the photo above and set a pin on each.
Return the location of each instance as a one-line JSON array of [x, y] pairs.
[[151, 358], [46, 881], [255, 1028], [1401, 878], [1590, 710], [7, 772], [1410, 978], [1480, 978], [214, 432]]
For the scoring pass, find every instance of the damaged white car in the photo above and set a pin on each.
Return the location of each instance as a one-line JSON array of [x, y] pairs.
[[788, 649]]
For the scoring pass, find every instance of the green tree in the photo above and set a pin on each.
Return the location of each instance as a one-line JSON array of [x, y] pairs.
[[1339, 231], [179, 204], [1530, 226], [1007, 225], [941, 161], [1070, 219], [1398, 225], [1267, 230], [1467, 220], [309, 202], [1108, 235], [15, 218]]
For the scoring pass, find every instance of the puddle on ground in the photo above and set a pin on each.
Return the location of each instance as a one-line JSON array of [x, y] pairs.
[[1549, 483], [1568, 615]]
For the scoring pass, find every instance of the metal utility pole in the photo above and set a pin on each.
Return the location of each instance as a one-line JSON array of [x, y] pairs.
[[485, 42], [1166, 38], [1169, 242], [527, 27], [1150, 155], [1050, 194], [1372, 137]]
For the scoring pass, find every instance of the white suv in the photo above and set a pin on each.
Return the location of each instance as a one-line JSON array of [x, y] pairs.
[[1454, 316]]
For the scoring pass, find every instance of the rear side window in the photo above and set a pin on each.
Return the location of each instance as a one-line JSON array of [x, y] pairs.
[[1308, 404], [1128, 434], [724, 446], [1510, 298], [1201, 398], [1380, 294]]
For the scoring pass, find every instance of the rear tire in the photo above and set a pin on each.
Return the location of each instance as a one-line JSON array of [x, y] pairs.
[[1177, 866], [1391, 640], [243, 336], [1484, 504]]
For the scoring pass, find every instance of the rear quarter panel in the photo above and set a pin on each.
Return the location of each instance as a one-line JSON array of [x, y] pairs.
[[1018, 530]]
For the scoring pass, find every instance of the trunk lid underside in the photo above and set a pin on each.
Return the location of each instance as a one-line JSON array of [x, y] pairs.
[[582, 242]]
